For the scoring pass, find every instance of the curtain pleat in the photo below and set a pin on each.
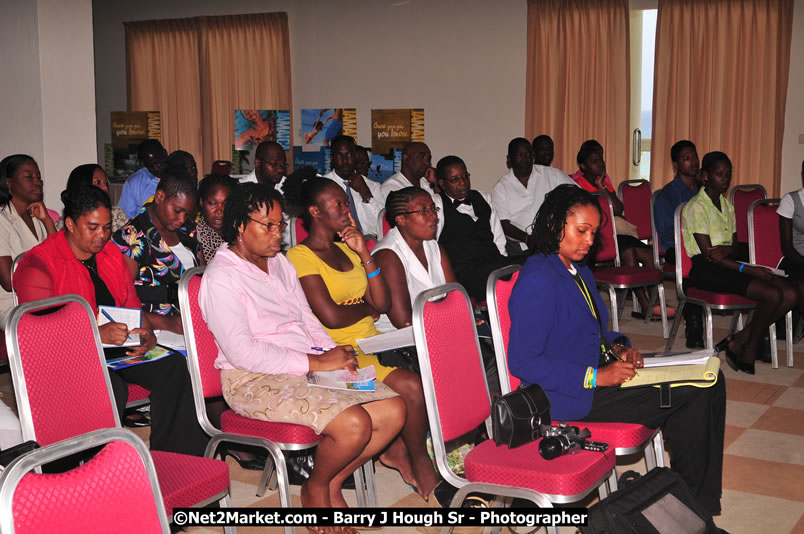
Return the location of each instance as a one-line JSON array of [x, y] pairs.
[[578, 79], [198, 71], [720, 80]]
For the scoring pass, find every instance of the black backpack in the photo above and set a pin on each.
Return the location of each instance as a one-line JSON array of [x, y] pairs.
[[658, 502]]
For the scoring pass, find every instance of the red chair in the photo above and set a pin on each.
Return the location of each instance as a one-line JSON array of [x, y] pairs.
[[626, 438], [457, 401], [623, 277], [668, 269], [709, 300], [115, 490], [69, 393], [742, 196], [764, 221], [635, 196], [383, 226], [274, 437], [298, 231]]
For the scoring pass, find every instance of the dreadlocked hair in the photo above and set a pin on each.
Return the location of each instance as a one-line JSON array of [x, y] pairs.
[[244, 200], [397, 202], [547, 229]]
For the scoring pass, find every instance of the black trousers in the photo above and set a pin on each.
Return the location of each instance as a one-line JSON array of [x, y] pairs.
[[174, 427], [473, 276], [693, 427]]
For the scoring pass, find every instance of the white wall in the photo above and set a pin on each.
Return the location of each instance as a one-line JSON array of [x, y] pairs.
[[48, 104], [462, 61], [792, 149]]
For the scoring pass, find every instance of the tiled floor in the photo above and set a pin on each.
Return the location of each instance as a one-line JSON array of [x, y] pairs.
[[763, 483]]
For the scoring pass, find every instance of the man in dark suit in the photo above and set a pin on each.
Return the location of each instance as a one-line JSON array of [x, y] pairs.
[[472, 236]]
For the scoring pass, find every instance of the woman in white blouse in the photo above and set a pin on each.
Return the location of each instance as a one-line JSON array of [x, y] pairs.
[[409, 255], [24, 220]]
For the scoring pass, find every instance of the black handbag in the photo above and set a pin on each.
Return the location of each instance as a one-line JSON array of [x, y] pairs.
[[516, 417]]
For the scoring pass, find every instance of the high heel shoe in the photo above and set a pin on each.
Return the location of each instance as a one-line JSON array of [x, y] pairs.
[[737, 364], [257, 463], [723, 344]]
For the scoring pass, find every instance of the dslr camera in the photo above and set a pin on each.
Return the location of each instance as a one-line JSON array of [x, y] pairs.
[[564, 439]]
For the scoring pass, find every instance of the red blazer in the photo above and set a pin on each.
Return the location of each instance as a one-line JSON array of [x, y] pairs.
[[51, 269]]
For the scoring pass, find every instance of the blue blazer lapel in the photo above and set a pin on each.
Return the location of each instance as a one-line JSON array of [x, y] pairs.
[[571, 287]]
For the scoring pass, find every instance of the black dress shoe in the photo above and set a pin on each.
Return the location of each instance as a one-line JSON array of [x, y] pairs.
[[739, 365], [695, 341]]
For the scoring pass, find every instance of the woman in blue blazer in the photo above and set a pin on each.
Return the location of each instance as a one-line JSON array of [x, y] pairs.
[[557, 318]]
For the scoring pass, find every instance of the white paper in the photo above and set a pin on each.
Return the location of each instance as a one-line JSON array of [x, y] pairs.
[[343, 379], [661, 359], [130, 317], [170, 339], [777, 272], [388, 341]]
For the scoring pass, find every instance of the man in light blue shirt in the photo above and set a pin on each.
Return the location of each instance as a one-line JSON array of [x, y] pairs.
[[142, 184]]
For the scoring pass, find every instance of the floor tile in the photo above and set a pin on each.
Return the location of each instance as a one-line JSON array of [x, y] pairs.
[[748, 513], [756, 392], [732, 433], [773, 446], [743, 414], [786, 420], [791, 398]]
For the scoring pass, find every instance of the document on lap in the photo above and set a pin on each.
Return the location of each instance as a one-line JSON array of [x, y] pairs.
[[170, 339], [343, 379], [661, 359], [130, 317]]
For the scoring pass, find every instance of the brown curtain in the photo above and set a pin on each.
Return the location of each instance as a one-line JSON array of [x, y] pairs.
[[578, 78], [721, 81], [245, 64], [162, 75], [198, 71]]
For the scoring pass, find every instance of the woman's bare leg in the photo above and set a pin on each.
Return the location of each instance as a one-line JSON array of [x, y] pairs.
[[414, 433]]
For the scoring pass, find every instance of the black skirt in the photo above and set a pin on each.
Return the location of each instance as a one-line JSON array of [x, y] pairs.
[[712, 277]]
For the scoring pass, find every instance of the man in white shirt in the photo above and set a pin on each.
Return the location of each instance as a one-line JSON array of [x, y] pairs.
[[416, 171], [472, 236], [519, 194], [365, 196], [270, 164]]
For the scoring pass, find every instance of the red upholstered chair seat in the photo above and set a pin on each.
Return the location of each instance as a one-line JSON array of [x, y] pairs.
[[278, 432], [210, 477], [524, 467], [627, 275], [617, 435], [719, 299]]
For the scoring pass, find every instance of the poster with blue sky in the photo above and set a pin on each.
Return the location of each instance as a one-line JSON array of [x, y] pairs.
[[321, 125]]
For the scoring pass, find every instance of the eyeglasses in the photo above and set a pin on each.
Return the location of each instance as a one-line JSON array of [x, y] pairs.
[[270, 226], [456, 179], [424, 211]]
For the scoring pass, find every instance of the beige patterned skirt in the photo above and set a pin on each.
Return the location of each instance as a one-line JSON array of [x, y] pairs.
[[290, 399]]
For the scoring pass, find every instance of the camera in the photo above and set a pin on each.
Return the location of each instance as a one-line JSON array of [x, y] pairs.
[[565, 439]]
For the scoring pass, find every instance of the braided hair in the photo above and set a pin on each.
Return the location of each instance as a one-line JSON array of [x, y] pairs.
[[397, 202], [548, 226], [244, 200]]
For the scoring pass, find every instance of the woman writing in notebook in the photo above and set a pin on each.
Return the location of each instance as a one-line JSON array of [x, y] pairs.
[[81, 260], [558, 324]]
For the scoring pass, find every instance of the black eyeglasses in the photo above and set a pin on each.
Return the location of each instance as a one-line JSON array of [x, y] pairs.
[[270, 226], [424, 211], [456, 179]]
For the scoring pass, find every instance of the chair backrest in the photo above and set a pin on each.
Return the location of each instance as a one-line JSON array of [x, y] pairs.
[[608, 250], [453, 376], [59, 370], [498, 292], [683, 261], [383, 226], [298, 231], [115, 490], [14, 265], [636, 196], [654, 236], [742, 196], [201, 348], [764, 242]]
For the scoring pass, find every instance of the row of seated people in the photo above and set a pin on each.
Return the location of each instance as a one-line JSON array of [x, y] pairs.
[[168, 203]]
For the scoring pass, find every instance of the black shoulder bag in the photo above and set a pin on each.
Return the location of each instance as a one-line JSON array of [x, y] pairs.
[[516, 417]]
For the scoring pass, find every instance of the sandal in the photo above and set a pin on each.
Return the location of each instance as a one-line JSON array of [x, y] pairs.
[[137, 420]]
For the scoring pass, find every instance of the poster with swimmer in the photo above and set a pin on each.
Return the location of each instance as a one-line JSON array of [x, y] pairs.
[[321, 125], [253, 126]]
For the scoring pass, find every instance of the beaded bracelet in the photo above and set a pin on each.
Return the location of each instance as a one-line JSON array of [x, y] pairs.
[[373, 273]]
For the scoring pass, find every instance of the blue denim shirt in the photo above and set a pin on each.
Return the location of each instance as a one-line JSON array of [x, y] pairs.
[[137, 189], [671, 195]]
